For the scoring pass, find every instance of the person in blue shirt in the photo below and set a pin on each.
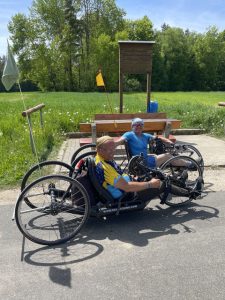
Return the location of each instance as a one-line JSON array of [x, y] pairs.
[[138, 143]]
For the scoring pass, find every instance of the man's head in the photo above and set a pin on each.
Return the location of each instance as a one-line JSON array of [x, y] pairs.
[[137, 125], [106, 147]]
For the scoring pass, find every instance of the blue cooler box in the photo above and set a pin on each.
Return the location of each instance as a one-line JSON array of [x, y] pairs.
[[153, 107]]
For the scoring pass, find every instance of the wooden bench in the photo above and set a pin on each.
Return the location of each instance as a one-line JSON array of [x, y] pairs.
[[120, 123]]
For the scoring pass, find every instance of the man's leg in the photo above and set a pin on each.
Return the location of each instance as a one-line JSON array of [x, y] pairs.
[[150, 193], [162, 158]]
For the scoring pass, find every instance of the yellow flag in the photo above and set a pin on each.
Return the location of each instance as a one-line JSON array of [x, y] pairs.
[[99, 79]]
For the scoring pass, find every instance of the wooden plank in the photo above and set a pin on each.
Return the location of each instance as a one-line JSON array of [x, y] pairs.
[[160, 115], [85, 141], [125, 125], [113, 116]]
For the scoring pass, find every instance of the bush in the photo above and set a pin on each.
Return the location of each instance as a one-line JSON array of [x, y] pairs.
[[132, 85]]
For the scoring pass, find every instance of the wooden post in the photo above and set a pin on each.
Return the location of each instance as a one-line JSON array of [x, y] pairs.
[[148, 90], [93, 133], [41, 119], [27, 113], [31, 137], [121, 91], [32, 109]]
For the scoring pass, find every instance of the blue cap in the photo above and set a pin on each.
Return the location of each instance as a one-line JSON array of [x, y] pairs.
[[136, 121]]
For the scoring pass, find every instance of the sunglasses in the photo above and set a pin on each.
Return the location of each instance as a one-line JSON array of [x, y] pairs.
[[138, 124]]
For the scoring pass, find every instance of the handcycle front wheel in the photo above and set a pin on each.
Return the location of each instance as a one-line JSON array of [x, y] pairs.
[[185, 174], [61, 208], [193, 152]]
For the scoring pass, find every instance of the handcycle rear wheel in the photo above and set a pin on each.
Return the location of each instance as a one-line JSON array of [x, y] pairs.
[[182, 178], [82, 148], [61, 208], [80, 157], [43, 169]]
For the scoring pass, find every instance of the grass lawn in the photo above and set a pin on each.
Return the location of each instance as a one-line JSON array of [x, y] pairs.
[[64, 111]]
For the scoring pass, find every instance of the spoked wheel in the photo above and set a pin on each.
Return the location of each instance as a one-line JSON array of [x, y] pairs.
[[137, 166], [81, 157], [185, 176], [191, 151], [43, 169], [61, 208], [82, 150]]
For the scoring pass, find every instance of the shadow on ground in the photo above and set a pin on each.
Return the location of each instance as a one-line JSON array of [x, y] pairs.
[[135, 228]]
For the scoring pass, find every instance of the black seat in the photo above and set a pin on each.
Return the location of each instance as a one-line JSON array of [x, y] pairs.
[[104, 195], [128, 152]]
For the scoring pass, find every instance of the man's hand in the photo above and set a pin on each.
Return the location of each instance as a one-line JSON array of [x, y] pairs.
[[155, 183]]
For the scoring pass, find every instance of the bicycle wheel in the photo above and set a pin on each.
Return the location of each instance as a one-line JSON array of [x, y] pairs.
[[43, 169], [191, 151], [80, 157], [184, 174], [61, 208], [82, 148]]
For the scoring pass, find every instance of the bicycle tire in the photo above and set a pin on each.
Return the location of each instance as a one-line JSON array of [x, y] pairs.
[[183, 180], [92, 145], [40, 167], [82, 156], [198, 153], [58, 201]]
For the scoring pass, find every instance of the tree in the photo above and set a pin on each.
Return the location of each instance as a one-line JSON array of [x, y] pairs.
[[207, 51], [175, 56]]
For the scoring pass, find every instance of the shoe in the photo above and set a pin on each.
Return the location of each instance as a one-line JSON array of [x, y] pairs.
[[184, 176], [198, 188]]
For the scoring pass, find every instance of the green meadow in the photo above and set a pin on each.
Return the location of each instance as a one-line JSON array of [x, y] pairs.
[[65, 110]]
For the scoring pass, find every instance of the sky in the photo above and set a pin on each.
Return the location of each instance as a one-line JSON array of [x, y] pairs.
[[195, 15]]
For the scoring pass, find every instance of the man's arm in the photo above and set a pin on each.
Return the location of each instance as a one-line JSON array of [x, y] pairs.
[[133, 186], [120, 141], [165, 140]]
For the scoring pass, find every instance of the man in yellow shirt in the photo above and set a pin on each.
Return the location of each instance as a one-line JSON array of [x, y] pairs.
[[111, 176]]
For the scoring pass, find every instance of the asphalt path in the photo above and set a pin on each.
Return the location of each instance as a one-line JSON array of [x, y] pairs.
[[159, 253]]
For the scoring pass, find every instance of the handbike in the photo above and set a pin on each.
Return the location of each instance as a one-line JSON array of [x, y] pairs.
[[61, 204]]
